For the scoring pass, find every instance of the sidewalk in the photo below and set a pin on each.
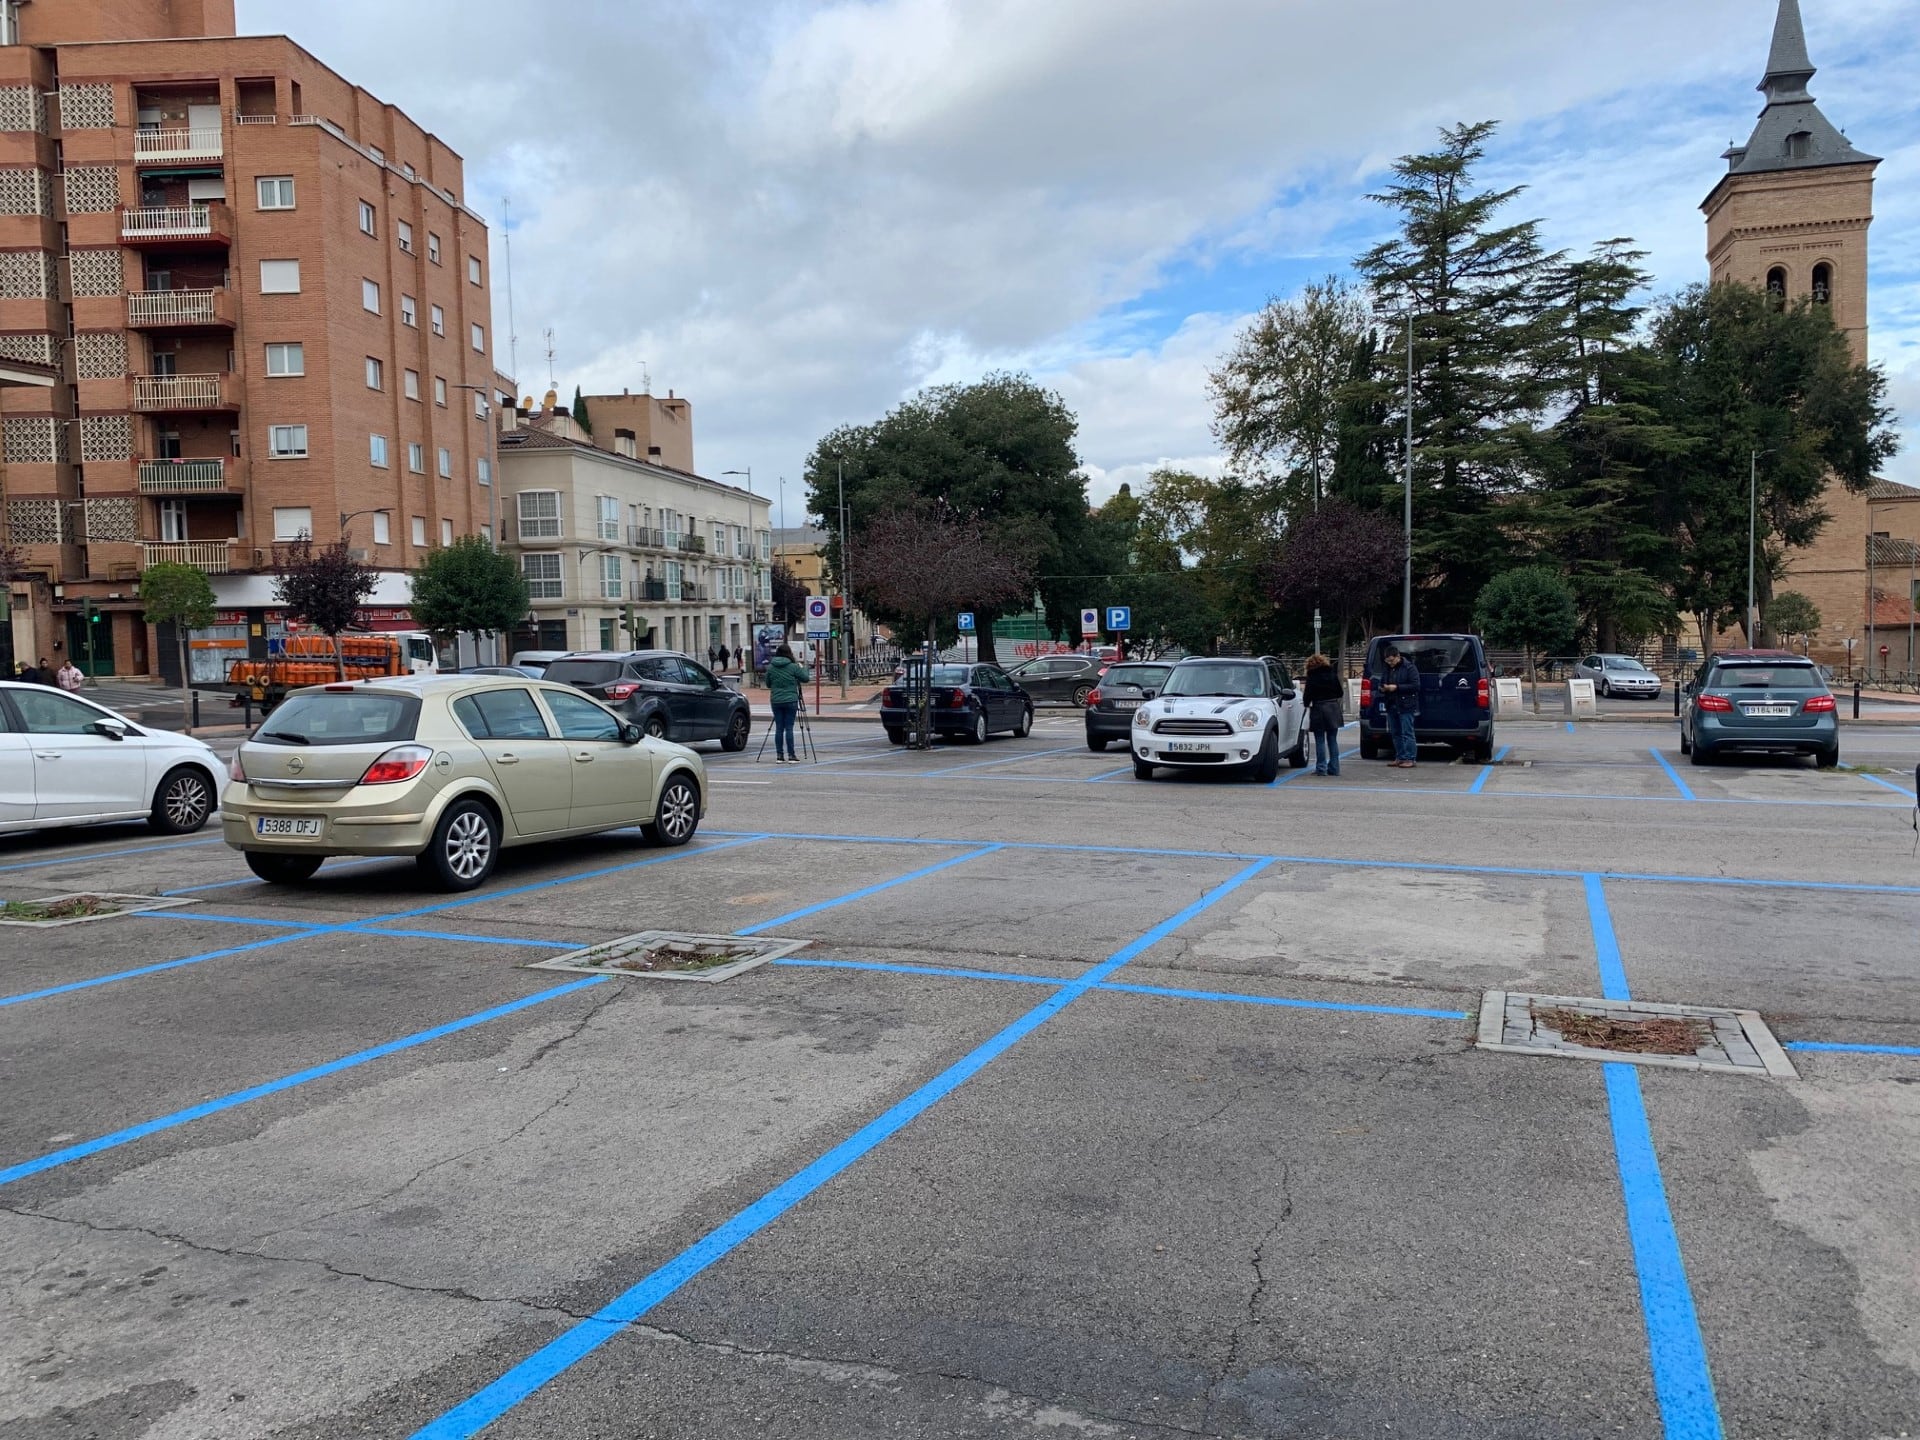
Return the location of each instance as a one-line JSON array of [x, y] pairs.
[[862, 702]]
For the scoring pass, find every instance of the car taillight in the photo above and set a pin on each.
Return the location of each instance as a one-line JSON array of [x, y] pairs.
[[957, 699], [403, 762], [1715, 704], [235, 771], [1093, 698], [895, 696], [1366, 694], [623, 691], [1819, 705], [1484, 695]]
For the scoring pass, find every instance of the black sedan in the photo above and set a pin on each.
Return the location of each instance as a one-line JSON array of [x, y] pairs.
[[1068, 679], [969, 702], [668, 695], [1123, 690]]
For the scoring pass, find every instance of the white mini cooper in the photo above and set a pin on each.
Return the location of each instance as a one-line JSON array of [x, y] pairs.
[[1222, 714]]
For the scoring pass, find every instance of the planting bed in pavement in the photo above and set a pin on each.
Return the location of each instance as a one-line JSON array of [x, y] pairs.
[[1085, 1106]]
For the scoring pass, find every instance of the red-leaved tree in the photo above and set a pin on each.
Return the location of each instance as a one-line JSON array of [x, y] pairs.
[[1341, 559]]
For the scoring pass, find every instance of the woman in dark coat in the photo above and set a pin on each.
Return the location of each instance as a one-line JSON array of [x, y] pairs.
[[1326, 713]]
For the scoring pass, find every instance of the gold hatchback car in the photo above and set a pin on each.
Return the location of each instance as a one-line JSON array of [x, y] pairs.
[[450, 769]]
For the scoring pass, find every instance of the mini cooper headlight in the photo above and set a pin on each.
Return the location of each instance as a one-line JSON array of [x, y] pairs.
[[1142, 719], [1249, 719]]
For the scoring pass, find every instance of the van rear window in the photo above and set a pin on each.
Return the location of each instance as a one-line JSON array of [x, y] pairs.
[[1439, 657]]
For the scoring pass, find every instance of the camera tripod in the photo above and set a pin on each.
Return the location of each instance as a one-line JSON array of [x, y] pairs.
[[803, 733]]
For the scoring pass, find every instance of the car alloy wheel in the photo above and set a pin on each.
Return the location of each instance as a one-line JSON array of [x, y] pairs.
[[468, 846], [656, 726], [1025, 727], [1080, 694], [737, 730], [678, 815], [183, 803], [980, 728]]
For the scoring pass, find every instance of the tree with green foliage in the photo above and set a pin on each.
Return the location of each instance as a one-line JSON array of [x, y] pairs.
[[1793, 615], [1000, 449], [1365, 442], [469, 588], [1531, 609], [1765, 394], [322, 586], [1475, 287], [180, 596], [579, 411], [1139, 568]]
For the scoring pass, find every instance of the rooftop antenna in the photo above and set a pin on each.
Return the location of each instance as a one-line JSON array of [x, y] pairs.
[[552, 384], [513, 339], [646, 379]]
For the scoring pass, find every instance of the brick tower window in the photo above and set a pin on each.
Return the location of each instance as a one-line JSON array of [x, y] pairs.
[[1777, 287], [1823, 284]]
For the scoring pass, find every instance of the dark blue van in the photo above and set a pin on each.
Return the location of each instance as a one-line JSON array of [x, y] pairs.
[[1456, 695]]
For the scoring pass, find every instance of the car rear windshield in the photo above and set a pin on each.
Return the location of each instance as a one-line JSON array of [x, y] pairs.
[[337, 717], [1248, 679], [1765, 677], [582, 672], [1437, 656], [1143, 677], [942, 675]]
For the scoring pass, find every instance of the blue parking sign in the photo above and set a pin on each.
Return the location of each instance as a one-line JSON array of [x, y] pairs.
[[966, 622], [1119, 617]]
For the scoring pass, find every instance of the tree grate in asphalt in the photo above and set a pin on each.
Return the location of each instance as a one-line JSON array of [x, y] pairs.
[[673, 955], [1681, 1037], [80, 907]]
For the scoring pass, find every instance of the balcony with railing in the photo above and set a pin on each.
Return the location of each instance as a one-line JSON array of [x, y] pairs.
[[693, 544], [213, 556], [182, 477], [694, 594], [153, 393], [170, 224], [179, 309], [641, 538], [188, 143], [655, 590]]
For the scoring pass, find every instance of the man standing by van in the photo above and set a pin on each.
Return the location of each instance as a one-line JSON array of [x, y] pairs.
[[1398, 686]]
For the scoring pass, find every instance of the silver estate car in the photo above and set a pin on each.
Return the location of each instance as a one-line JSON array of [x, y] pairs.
[[1620, 675], [449, 769]]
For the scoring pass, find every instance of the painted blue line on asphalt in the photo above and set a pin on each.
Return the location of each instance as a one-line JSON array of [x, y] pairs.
[[1613, 970], [1839, 1049], [108, 854], [1108, 775], [1889, 785], [1673, 775], [21, 999], [807, 910], [285, 1082], [1569, 727], [1486, 772], [559, 1355], [1682, 1381], [1284, 779]]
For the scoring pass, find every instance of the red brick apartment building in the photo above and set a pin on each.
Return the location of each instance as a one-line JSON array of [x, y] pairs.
[[267, 307]]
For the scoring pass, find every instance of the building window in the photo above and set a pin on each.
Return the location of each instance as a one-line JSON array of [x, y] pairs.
[[367, 218], [479, 406], [288, 359], [377, 451], [420, 532], [382, 528], [1777, 287], [1823, 284], [370, 297], [409, 314], [484, 468], [473, 270], [405, 231], [486, 534], [433, 247], [606, 517], [673, 581], [173, 521], [274, 192], [376, 374], [292, 522], [539, 514], [410, 384], [480, 339], [379, 155], [1799, 145], [406, 169], [445, 457], [417, 458], [766, 546], [437, 318], [613, 582], [279, 277], [439, 389], [543, 576], [446, 532], [287, 442]]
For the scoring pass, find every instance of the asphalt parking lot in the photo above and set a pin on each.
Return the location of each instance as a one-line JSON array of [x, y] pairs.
[[1089, 1108]]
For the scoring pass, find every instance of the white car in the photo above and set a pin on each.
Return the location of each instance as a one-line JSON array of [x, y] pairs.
[[1239, 714], [68, 761]]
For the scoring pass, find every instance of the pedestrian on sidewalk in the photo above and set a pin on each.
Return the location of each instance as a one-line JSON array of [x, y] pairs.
[[713, 658], [1326, 713], [69, 677], [1398, 688], [723, 658], [785, 676]]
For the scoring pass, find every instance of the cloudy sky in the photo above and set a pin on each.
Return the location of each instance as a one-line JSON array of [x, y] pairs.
[[796, 212]]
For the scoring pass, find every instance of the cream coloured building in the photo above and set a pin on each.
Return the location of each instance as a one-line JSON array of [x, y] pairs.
[[625, 553]]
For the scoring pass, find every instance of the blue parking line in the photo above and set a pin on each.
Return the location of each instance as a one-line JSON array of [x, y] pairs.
[[1606, 945], [109, 854], [1106, 775], [1285, 779], [807, 910], [557, 1356], [1673, 775], [1889, 785], [1569, 727], [1486, 772], [285, 1082], [72, 986], [1837, 1049]]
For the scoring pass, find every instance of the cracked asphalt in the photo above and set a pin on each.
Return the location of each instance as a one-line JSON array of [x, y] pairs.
[[314, 1182]]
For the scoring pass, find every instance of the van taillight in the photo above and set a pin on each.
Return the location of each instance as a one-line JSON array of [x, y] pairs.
[[1485, 695], [1366, 694]]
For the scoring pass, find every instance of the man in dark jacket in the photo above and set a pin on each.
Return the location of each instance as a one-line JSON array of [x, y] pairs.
[[1397, 689]]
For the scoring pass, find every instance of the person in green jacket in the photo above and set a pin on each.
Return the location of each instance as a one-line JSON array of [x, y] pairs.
[[785, 676]]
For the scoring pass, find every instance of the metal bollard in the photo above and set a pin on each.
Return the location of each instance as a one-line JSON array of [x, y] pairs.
[[1856, 699], [196, 708]]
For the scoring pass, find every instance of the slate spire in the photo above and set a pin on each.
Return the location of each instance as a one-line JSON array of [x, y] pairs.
[[1788, 66], [1792, 133]]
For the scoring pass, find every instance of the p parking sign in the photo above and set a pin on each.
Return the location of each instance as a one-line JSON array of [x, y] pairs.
[[1119, 618], [966, 622]]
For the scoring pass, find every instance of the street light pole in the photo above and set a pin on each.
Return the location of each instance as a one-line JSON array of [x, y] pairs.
[[1406, 588], [1753, 516], [846, 585], [753, 578]]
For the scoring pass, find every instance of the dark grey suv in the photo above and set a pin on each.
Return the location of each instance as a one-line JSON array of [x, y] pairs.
[[668, 695]]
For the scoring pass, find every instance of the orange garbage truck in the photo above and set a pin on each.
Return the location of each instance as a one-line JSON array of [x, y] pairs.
[[309, 659]]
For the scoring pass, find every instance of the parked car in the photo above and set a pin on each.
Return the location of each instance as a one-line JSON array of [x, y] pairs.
[[1064, 678], [670, 696], [1760, 701], [516, 672], [535, 660], [450, 770], [969, 702], [1456, 695], [1123, 690], [1620, 675], [68, 761], [1240, 714]]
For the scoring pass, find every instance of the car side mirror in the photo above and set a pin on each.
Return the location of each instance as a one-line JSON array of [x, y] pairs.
[[1149, 694], [112, 729], [1288, 694], [631, 734]]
